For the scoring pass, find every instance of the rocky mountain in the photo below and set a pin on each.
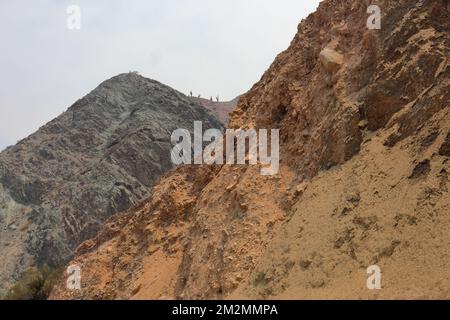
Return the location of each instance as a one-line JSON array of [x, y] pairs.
[[100, 157], [221, 110], [364, 132]]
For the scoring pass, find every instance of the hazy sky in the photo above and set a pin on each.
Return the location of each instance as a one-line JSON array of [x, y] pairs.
[[208, 46]]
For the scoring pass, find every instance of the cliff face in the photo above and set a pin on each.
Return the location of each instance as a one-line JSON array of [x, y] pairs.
[[100, 157], [363, 119]]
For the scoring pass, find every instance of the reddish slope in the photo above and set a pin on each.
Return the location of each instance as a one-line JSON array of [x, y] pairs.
[[220, 109], [205, 240]]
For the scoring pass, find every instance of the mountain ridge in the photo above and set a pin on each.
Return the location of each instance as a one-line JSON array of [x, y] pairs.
[[390, 95], [98, 158], [212, 240], [220, 109]]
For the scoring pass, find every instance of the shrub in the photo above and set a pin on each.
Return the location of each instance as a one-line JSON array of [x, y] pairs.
[[34, 284]]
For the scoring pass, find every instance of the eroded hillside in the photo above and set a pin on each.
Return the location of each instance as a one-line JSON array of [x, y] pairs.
[[363, 119]]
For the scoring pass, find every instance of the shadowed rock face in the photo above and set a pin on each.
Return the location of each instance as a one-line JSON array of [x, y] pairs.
[[98, 158]]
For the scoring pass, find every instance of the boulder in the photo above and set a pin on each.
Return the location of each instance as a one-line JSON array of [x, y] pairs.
[[331, 60]]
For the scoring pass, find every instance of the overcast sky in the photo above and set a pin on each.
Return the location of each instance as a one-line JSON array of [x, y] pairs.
[[208, 46]]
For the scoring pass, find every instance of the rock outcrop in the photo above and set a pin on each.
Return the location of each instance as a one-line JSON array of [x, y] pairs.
[[355, 122], [331, 60], [100, 157]]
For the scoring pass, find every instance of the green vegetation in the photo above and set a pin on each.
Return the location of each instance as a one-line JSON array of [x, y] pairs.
[[34, 284]]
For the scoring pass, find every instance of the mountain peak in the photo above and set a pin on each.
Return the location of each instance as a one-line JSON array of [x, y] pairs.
[[96, 159]]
